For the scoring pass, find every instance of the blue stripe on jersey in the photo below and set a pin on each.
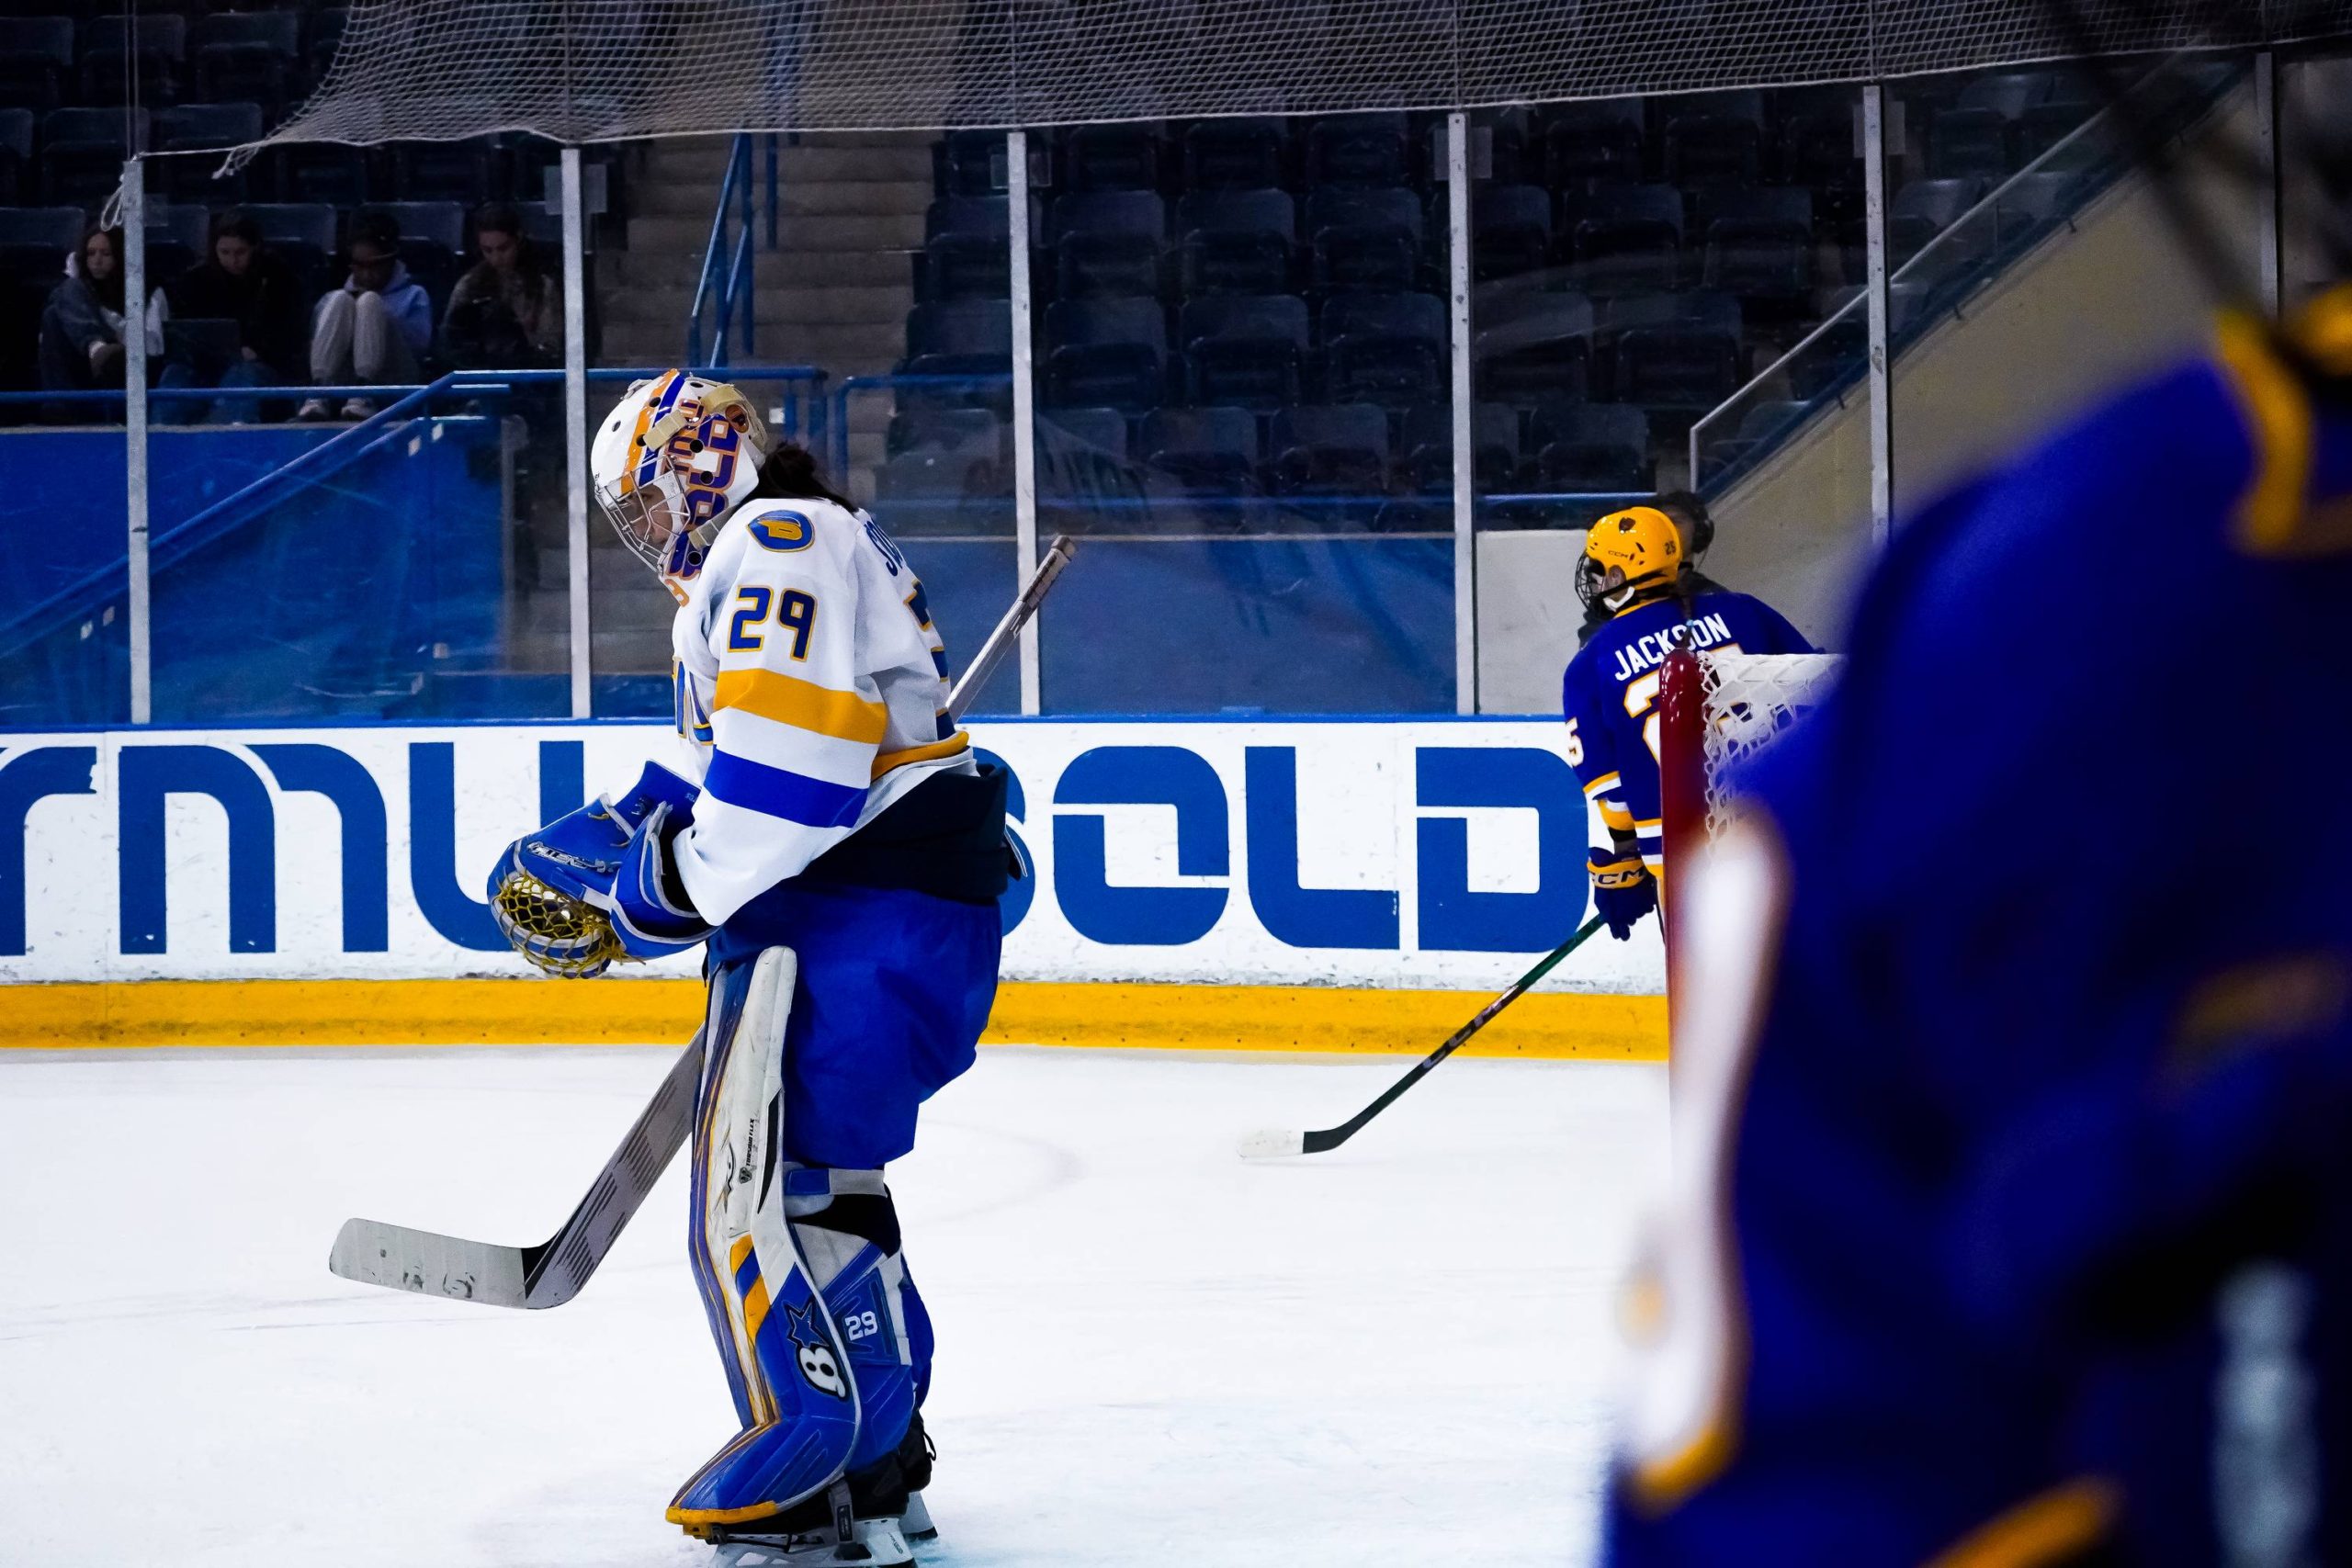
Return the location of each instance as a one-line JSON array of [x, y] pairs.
[[779, 792]]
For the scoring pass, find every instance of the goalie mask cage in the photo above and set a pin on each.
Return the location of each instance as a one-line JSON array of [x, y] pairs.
[[1714, 710]]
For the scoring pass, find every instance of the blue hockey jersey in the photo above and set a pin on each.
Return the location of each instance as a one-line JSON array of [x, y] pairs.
[[2014, 1215], [1609, 696]]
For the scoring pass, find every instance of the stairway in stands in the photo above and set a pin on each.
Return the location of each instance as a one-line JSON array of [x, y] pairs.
[[834, 293]]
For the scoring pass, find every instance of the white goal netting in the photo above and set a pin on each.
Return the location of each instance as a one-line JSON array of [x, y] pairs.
[[582, 70], [1750, 699]]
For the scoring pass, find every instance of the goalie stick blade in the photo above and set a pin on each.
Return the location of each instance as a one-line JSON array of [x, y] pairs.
[[552, 1273], [398, 1258], [1273, 1143]]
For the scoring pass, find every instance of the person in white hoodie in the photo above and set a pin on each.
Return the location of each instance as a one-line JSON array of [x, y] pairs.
[[375, 330]]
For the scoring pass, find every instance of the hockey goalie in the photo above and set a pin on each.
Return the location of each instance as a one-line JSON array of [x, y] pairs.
[[836, 851]]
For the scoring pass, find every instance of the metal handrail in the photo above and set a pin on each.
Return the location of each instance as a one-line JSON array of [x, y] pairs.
[[1984, 204], [738, 164], [728, 272]]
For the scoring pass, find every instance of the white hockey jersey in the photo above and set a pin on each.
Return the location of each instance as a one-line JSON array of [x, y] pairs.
[[811, 690]]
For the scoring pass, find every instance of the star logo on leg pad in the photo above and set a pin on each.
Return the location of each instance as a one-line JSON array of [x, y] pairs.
[[813, 1351]]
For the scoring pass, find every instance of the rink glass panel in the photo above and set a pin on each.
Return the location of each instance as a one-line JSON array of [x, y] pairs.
[[377, 582], [1240, 349], [64, 586]]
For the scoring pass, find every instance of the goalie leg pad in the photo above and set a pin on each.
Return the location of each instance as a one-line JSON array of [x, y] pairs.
[[847, 1228], [788, 1365]]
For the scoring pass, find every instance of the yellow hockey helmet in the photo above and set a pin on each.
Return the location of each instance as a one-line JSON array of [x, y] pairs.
[[1629, 556]]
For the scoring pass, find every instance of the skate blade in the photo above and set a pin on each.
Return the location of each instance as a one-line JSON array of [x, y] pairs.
[[915, 1523], [877, 1543]]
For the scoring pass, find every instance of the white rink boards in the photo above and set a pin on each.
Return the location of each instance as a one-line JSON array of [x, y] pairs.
[[1151, 1353]]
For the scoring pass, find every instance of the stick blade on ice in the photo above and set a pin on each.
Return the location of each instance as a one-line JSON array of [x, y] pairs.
[[398, 1258], [1272, 1143]]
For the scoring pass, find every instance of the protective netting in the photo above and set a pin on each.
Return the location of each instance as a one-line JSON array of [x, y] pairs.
[[1751, 698], [582, 70]]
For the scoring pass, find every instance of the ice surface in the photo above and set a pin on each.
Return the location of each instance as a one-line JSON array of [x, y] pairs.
[[1152, 1354]]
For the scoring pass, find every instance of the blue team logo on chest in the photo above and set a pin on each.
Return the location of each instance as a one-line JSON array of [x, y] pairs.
[[783, 531]]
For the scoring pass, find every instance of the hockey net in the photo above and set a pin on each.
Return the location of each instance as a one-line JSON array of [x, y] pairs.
[[1714, 711]]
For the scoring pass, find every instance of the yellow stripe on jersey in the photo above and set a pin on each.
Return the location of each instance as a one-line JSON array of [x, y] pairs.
[[2278, 416], [2055, 1526], [1616, 816], [937, 748], [804, 704], [1605, 781]]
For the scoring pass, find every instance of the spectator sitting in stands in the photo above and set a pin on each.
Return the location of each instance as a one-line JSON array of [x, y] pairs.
[[82, 324], [240, 281], [507, 312], [375, 330]]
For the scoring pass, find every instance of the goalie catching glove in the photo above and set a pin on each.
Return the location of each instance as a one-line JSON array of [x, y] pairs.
[[599, 884], [1622, 890]]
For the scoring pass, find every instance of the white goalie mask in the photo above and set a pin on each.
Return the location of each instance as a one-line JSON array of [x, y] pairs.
[[669, 462]]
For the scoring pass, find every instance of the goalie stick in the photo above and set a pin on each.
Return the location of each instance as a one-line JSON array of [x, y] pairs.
[[1274, 1144], [552, 1273]]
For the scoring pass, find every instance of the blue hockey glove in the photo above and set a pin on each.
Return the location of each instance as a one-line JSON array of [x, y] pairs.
[[652, 915], [1622, 890], [580, 854]]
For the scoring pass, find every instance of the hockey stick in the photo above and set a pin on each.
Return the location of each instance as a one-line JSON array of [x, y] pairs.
[[1273, 1144], [552, 1273]]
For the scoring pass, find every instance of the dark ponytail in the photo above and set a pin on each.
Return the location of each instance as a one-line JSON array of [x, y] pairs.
[[790, 474]]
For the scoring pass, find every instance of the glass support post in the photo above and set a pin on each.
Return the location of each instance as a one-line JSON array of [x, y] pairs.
[[134, 436], [575, 426], [1466, 539], [1881, 368], [1024, 401]]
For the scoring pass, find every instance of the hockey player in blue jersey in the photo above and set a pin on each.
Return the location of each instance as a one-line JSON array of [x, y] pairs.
[[2013, 1211], [831, 845], [1635, 570]]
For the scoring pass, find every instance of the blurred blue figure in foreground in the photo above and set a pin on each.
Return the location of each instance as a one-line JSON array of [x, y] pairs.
[[2014, 1048]]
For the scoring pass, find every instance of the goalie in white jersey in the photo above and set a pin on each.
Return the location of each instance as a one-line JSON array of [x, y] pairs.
[[841, 856]]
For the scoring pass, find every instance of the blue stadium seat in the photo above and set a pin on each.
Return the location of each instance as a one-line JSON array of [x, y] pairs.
[[1589, 145], [1924, 208], [1242, 154], [320, 38], [1106, 353], [113, 55], [1425, 459], [1510, 230], [433, 243], [1111, 157], [1383, 348], [35, 60], [1676, 354], [1336, 449], [1760, 243], [1103, 431], [963, 429], [947, 456], [304, 235], [249, 54], [1587, 448], [194, 126], [1816, 144], [321, 171], [1107, 244], [1971, 143], [1245, 351], [1627, 238], [1358, 149], [1206, 450], [177, 233], [1235, 241], [968, 164], [465, 172], [82, 152], [1364, 239], [1715, 139], [1527, 345], [959, 338], [967, 252], [2043, 126], [35, 240], [16, 154]]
